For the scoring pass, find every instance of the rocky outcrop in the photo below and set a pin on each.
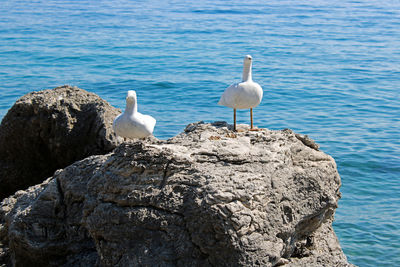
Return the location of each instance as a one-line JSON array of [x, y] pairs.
[[51, 129], [207, 197]]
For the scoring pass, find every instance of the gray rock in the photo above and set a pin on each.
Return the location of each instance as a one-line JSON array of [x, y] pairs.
[[207, 197], [51, 129]]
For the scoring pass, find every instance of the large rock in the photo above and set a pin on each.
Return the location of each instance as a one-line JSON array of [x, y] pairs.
[[51, 129], [207, 197]]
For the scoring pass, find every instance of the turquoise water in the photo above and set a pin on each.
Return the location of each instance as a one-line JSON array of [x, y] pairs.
[[329, 69]]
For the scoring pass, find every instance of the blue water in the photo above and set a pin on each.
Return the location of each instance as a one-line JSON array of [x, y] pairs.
[[329, 69]]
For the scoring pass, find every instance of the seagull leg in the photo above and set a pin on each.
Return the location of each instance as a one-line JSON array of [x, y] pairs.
[[234, 119], [251, 119]]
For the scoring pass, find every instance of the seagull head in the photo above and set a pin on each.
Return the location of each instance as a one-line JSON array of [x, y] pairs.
[[248, 58], [131, 96]]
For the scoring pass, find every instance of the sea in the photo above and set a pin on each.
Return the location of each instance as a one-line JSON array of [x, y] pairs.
[[329, 69]]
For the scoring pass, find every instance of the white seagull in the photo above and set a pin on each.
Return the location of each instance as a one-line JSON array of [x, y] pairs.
[[132, 124], [243, 95]]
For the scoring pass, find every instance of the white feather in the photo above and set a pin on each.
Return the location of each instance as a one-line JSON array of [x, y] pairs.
[[243, 95], [132, 124]]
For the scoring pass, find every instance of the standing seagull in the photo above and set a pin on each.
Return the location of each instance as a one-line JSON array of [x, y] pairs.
[[243, 95], [132, 124]]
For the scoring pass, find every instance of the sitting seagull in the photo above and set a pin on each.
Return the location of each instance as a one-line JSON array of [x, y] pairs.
[[243, 95], [132, 124]]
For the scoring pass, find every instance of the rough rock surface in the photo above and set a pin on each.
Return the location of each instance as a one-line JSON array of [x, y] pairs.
[[207, 197], [51, 129]]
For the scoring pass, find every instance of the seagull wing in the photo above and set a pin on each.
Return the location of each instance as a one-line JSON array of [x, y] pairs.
[[229, 97]]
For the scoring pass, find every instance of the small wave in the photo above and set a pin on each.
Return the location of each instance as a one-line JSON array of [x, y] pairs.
[[227, 11], [164, 84]]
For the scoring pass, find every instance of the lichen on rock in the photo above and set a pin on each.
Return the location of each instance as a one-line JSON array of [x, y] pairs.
[[206, 197]]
